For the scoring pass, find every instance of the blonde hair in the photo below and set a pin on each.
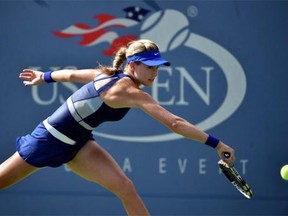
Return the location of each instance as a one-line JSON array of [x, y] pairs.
[[132, 48]]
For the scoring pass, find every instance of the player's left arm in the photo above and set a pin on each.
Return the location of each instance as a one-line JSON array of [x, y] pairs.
[[33, 77], [183, 127]]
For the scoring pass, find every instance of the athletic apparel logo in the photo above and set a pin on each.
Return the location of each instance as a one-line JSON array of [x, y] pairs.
[[169, 28]]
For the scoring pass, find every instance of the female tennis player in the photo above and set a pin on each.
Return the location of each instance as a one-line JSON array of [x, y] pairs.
[[65, 137]]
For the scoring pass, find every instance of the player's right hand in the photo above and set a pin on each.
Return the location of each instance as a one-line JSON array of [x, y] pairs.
[[31, 77]]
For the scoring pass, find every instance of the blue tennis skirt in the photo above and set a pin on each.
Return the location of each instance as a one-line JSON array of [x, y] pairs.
[[41, 149]]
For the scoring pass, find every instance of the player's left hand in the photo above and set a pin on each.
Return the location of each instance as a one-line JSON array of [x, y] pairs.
[[222, 149]]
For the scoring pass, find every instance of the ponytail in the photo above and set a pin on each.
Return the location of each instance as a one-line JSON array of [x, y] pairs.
[[118, 61], [133, 48]]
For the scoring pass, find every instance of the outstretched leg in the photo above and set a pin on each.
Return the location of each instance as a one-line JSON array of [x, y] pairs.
[[94, 164], [13, 170]]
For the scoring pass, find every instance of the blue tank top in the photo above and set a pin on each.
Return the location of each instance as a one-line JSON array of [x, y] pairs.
[[85, 110]]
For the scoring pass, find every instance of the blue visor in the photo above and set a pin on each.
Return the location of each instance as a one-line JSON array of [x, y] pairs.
[[150, 58]]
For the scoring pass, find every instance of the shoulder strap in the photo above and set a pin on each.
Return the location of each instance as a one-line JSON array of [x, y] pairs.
[[115, 77]]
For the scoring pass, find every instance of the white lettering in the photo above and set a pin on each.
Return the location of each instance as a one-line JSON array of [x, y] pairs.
[[243, 163], [186, 76], [72, 87], [174, 170], [127, 165], [162, 165], [182, 165], [202, 166], [36, 97], [156, 85]]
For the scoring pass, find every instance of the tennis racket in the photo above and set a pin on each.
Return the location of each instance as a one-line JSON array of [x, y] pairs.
[[234, 177]]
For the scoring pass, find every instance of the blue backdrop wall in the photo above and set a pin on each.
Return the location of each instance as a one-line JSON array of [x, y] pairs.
[[228, 76]]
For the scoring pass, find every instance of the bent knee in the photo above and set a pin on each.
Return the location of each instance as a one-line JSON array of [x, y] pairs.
[[126, 189]]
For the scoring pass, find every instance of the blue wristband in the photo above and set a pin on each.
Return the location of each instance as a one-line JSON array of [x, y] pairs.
[[212, 141], [47, 77]]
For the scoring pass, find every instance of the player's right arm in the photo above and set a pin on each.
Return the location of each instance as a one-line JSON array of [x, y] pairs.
[[34, 77]]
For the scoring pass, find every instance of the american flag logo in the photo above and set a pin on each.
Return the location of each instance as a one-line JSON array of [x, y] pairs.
[[106, 29]]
